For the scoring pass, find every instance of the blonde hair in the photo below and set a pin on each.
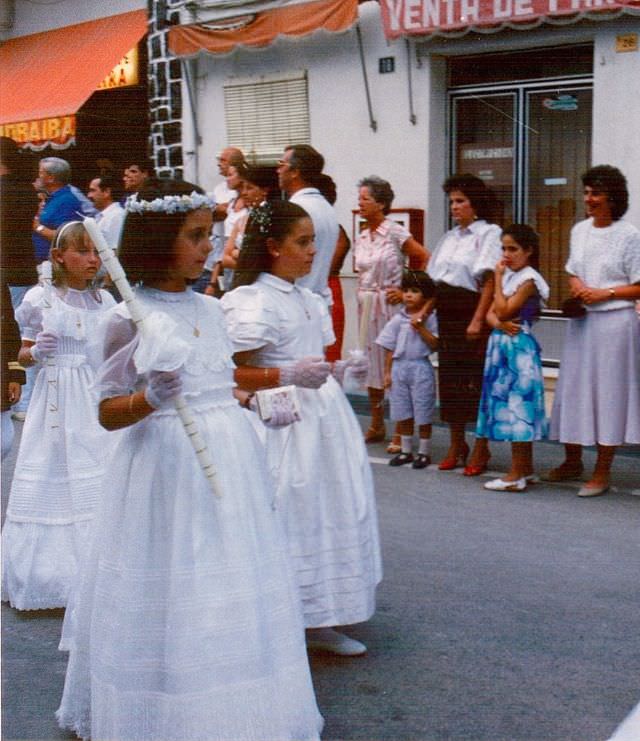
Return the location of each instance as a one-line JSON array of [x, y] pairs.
[[71, 232]]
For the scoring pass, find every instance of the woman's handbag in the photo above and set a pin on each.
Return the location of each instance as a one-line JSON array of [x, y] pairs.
[[573, 308]]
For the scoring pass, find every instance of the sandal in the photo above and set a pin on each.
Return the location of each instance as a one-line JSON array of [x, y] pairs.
[[374, 435]]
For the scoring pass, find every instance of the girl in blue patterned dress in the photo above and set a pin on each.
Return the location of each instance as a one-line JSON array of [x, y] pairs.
[[512, 403]]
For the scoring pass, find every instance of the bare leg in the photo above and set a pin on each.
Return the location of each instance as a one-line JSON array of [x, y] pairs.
[[376, 429], [602, 470], [520, 461], [480, 454], [571, 468]]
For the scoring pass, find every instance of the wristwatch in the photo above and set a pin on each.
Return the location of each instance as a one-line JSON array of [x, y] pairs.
[[40, 228]]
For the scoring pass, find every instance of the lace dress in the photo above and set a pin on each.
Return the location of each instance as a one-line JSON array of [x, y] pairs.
[[60, 464], [187, 623], [325, 490]]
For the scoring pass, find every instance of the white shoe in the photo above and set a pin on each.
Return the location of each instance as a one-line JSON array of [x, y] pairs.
[[502, 485], [592, 491], [19, 416], [328, 639]]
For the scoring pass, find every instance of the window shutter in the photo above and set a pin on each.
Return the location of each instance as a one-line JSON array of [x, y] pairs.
[[264, 115]]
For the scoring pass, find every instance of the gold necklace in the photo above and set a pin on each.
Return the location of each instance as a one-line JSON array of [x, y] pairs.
[[193, 325]]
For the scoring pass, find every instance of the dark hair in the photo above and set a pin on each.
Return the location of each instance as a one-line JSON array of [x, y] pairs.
[[308, 161], [527, 238], [148, 239], [143, 163], [274, 221], [610, 180], [264, 177], [420, 280], [482, 198], [108, 182], [380, 190], [326, 185], [12, 157]]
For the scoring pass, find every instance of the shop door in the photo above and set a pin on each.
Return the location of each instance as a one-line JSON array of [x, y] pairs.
[[530, 143]]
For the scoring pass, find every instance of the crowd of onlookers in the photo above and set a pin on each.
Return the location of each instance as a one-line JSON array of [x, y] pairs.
[[186, 595]]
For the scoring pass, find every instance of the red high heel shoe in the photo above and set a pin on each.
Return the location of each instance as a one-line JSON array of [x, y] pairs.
[[475, 469], [454, 461]]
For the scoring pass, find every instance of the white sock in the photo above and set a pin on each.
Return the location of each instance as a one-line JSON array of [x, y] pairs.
[[406, 443], [425, 446]]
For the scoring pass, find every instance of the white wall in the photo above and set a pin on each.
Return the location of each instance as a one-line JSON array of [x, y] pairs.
[[34, 18], [616, 111], [397, 151]]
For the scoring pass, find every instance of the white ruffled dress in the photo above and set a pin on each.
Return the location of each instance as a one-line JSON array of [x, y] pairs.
[[63, 450], [325, 489], [187, 624]]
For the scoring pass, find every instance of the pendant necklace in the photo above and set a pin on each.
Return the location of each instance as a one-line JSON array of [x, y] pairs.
[[304, 303], [193, 325]]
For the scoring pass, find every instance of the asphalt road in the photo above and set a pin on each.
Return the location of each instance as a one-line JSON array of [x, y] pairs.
[[501, 617]]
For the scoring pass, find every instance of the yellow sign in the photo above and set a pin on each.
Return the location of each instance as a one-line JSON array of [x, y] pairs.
[[58, 132], [124, 74], [627, 42]]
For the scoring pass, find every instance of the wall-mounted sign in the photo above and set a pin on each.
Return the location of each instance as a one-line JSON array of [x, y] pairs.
[[386, 65], [489, 163], [58, 132], [124, 74], [561, 103], [627, 42], [406, 17]]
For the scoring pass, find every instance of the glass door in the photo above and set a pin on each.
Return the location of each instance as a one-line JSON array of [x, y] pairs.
[[558, 146], [484, 144], [529, 142]]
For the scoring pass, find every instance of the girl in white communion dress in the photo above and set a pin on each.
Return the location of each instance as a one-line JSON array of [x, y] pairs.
[[187, 624]]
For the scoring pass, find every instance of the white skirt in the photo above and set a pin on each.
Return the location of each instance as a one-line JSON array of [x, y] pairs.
[[326, 498], [54, 493], [597, 399], [187, 623]]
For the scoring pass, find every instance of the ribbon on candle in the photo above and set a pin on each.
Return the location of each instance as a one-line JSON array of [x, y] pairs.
[[138, 315]]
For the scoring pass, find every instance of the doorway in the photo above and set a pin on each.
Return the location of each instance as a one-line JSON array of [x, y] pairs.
[[529, 139]]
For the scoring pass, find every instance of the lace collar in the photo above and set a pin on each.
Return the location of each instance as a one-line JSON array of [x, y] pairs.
[[166, 297]]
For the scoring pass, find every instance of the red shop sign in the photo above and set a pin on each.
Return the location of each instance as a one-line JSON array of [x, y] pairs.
[[415, 17]]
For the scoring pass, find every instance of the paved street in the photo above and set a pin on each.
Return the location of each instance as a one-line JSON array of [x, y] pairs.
[[501, 617]]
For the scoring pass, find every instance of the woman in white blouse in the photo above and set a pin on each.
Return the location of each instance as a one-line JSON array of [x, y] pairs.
[[597, 400], [462, 267], [380, 253]]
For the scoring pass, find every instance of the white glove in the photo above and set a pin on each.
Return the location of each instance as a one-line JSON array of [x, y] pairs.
[[282, 412], [309, 373], [46, 345], [358, 366], [353, 371], [162, 386]]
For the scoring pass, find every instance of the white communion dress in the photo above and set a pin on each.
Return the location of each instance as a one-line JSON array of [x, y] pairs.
[[324, 484], [187, 624], [63, 450]]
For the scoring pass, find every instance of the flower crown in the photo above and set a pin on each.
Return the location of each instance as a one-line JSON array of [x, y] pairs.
[[169, 204]]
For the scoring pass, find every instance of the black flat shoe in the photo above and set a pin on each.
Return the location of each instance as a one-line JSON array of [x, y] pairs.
[[421, 461], [401, 459]]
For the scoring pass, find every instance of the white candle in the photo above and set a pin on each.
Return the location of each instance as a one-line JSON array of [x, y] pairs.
[[118, 276]]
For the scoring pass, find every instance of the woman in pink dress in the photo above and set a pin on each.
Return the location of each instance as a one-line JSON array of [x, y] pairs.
[[380, 253]]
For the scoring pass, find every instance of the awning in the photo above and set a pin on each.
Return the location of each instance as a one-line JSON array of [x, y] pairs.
[[446, 17], [262, 28], [48, 76]]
